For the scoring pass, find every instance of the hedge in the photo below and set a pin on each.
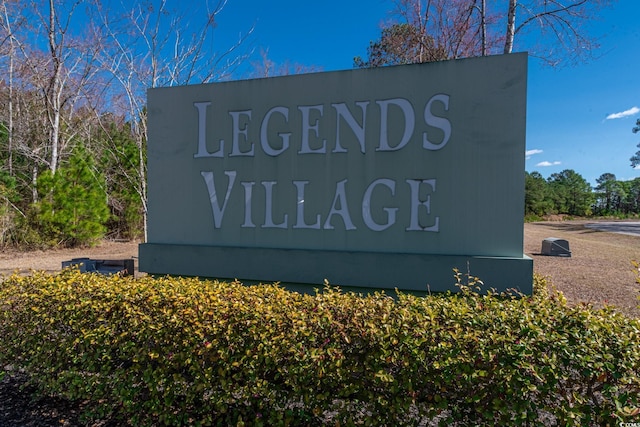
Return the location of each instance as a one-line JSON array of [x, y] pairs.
[[178, 351]]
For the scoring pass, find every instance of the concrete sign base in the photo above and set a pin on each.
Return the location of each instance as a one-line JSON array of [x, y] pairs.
[[370, 270]]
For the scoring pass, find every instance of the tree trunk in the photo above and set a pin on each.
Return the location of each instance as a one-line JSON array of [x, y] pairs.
[[12, 51], [34, 184], [10, 120], [53, 96], [142, 177], [511, 26], [483, 18]]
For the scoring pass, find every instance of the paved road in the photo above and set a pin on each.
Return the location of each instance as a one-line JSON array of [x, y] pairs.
[[622, 227]]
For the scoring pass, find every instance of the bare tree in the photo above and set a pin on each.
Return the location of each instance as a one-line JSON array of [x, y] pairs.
[[48, 66], [148, 44], [265, 67], [511, 26], [558, 25], [552, 30], [458, 27], [15, 90], [9, 49], [68, 67], [8, 21]]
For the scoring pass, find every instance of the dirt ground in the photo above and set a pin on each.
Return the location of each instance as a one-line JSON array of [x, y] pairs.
[[598, 272], [51, 260]]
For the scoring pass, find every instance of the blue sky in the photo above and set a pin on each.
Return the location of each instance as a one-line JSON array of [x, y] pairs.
[[578, 117]]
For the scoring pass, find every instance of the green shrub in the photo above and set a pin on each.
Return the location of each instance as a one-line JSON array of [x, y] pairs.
[[533, 218], [174, 351], [73, 207]]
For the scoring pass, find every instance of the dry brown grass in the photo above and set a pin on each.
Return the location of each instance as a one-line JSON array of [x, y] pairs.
[[599, 271]]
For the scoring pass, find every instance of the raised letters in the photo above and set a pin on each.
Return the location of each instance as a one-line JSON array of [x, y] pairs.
[[409, 123], [301, 130], [416, 203], [309, 139], [268, 210], [202, 133], [343, 111], [307, 128], [300, 222], [239, 130], [264, 140], [418, 208], [340, 198], [218, 211], [366, 205], [438, 122]]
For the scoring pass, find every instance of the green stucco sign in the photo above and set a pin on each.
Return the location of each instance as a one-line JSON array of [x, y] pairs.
[[379, 178]]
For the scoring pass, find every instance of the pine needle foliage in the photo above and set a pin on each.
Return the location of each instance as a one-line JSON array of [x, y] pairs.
[[73, 207]]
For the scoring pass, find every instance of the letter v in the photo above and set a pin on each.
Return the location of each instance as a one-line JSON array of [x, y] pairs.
[[218, 212]]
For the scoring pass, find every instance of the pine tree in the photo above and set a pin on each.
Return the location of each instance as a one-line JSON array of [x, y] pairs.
[[73, 208]]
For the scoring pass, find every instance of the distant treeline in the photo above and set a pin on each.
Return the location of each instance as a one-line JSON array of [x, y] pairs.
[[567, 192]]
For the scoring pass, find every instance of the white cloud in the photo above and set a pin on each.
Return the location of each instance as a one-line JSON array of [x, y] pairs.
[[546, 163], [630, 112], [530, 153]]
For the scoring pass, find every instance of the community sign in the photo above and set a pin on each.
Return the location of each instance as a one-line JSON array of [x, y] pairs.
[[378, 178]]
